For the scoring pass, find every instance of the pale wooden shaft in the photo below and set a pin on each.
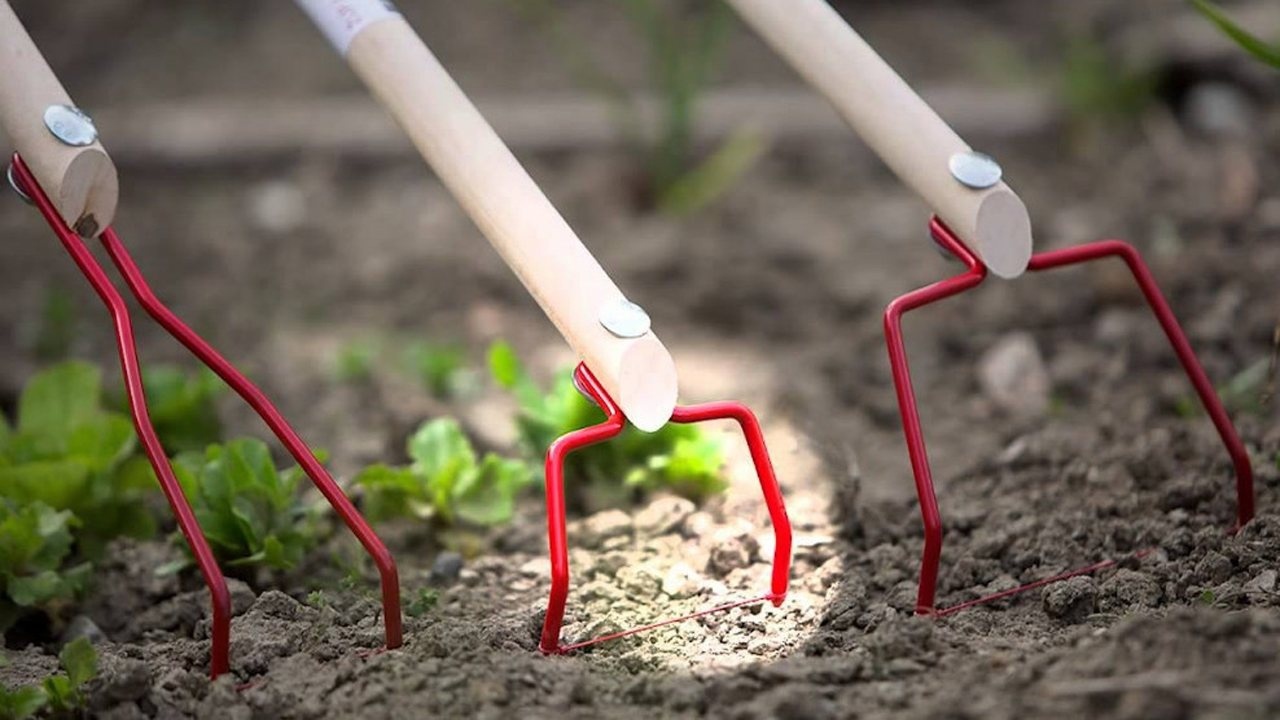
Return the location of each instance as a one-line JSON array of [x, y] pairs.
[[514, 215], [899, 126], [81, 181]]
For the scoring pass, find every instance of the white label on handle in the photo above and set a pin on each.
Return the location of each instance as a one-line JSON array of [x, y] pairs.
[[342, 20]]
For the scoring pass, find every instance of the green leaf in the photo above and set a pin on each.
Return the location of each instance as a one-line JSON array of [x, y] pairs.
[[102, 442], [61, 694], [21, 703], [440, 447], [56, 483], [504, 366], [79, 660], [249, 510], [438, 367], [421, 602], [388, 491], [184, 407], [487, 495], [56, 400], [1255, 46], [705, 183]]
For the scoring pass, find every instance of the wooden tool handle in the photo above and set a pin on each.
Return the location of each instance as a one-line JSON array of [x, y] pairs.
[[898, 125], [81, 181], [503, 200]]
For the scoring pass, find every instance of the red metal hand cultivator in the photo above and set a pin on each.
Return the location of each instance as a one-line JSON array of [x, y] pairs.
[[980, 221], [625, 368], [63, 170]]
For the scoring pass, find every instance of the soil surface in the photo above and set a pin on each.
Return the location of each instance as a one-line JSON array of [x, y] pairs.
[[772, 295]]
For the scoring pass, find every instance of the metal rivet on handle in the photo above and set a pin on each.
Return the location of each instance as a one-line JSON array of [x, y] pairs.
[[13, 183], [624, 319], [974, 169], [70, 125]]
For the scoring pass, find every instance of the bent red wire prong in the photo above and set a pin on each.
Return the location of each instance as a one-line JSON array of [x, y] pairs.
[[220, 633], [613, 424], [973, 276]]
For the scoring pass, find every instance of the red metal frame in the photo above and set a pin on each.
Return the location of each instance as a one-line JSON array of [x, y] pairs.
[[973, 276], [221, 626], [613, 424]]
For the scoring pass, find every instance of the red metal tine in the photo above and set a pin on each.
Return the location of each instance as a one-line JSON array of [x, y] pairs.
[[972, 277], [220, 598], [283, 431], [612, 425], [557, 533], [768, 482], [1181, 347]]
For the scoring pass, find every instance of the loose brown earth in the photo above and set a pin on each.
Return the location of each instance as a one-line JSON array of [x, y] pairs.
[[773, 296]]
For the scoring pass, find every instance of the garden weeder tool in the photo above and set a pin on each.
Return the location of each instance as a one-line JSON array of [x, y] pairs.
[[62, 168], [625, 369], [978, 219]]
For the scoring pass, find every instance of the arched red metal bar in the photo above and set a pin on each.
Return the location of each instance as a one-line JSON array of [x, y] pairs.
[[251, 393], [973, 276], [613, 424]]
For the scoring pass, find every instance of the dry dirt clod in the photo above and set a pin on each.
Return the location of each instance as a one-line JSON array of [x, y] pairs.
[[1072, 600], [1012, 373], [664, 515], [604, 526], [731, 552], [1265, 582]]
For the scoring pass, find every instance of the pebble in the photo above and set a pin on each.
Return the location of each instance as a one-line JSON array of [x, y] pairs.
[[277, 206], [1219, 109], [82, 626], [680, 582], [1012, 373], [446, 568]]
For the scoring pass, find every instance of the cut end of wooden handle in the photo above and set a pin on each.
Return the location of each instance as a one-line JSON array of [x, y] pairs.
[[647, 385], [1002, 233], [88, 192]]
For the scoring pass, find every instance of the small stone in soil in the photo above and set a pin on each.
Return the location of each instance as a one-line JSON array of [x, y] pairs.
[[446, 567], [82, 626], [681, 581], [1072, 600], [1013, 375]]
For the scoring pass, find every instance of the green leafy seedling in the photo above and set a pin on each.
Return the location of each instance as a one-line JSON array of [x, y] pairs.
[[355, 361], [445, 480], [1268, 53], [183, 406], [438, 367], [21, 703], [35, 548], [685, 44], [79, 665], [70, 453], [422, 602], [678, 458], [250, 511]]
